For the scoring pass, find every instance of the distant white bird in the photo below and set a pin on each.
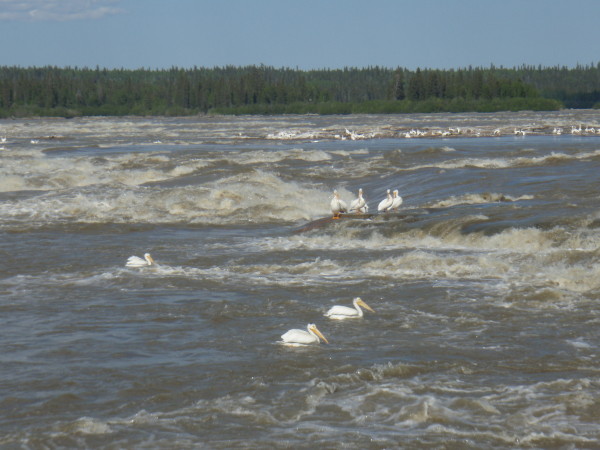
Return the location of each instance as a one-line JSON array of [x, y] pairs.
[[359, 204], [386, 202], [136, 261], [296, 337], [354, 136], [344, 312], [557, 131], [396, 201], [338, 205]]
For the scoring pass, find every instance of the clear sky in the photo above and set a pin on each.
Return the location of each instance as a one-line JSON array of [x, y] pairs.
[[304, 34]]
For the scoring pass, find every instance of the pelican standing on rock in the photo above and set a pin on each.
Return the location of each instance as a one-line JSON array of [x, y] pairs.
[[136, 261], [359, 204], [344, 312], [296, 337], [338, 205], [386, 202], [396, 201]]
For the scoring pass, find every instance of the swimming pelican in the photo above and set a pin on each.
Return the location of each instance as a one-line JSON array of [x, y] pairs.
[[345, 312], [386, 202], [337, 205], [136, 261], [396, 201], [358, 204], [296, 337]]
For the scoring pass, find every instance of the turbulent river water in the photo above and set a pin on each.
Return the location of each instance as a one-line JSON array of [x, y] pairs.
[[485, 284]]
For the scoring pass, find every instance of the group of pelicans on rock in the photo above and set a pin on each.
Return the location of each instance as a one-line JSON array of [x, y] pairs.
[[293, 337], [359, 205]]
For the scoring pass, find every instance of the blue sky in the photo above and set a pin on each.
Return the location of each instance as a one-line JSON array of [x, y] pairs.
[[305, 34]]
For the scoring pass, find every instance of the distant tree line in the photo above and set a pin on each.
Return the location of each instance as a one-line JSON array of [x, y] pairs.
[[262, 89]]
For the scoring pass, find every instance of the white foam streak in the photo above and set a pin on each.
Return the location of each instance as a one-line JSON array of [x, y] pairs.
[[523, 256], [255, 197], [43, 173], [503, 163], [389, 396], [474, 199], [517, 240]]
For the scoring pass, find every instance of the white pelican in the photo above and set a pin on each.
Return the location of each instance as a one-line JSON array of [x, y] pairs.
[[296, 337], [337, 205], [345, 312], [358, 204], [136, 261], [396, 201], [386, 202]]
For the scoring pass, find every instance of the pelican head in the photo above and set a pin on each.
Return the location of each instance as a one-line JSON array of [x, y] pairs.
[[149, 258], [395, 192], [312, 329], [359, 301]]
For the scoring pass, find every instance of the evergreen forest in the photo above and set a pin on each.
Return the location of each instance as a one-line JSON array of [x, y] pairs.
[[70, 92]]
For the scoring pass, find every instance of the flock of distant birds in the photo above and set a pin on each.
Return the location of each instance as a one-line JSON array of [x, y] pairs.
[[577, 130]]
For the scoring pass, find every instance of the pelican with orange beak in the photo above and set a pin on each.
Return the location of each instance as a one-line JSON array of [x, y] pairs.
[[338, 205], [339, 312], [296, 337], [136, 261]]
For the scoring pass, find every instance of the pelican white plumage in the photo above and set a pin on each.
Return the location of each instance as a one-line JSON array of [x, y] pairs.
[[359, 204], [338, 205], [296, 337], [396, 201], [386, 202], [344, 312], [136, 261]]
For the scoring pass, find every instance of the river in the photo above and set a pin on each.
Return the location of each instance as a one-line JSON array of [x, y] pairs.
[[485, 283]]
